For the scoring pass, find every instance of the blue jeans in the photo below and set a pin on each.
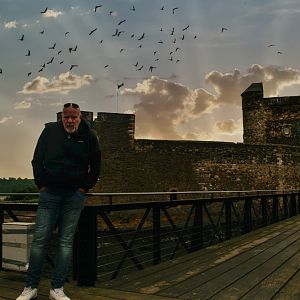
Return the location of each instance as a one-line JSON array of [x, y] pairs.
[[64, 211]]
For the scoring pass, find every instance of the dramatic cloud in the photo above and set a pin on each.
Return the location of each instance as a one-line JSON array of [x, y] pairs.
[[10, 24], [165, 105], [52, 13], [63, 84], [5, 119], [22, 105], [229, 86], [162, 106]]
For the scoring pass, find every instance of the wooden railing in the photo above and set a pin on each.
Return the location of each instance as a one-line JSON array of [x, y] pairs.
[[114, 238]]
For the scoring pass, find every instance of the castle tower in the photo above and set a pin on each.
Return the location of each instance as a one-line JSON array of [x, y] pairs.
[[254, 114], [115, 130], [274, 120]]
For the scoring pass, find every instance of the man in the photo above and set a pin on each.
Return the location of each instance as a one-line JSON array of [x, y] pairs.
[[66, 164]]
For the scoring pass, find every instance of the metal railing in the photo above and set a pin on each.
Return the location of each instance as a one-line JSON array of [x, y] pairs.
[[115, 238]]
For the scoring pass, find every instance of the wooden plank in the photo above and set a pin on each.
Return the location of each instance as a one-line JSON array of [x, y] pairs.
[[271, 285], [291, 290], [202, 255], [209, 282], [182, 277], [286, 261]]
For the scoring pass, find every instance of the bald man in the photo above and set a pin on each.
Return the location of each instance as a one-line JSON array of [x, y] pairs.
[[66, 164]]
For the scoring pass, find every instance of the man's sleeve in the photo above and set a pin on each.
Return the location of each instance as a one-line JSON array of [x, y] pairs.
[[95, 163], [38, 161]]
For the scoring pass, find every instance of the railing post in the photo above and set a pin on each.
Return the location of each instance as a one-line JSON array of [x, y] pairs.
[[247, 215], [87, 247], [285, 206], [264, 210], [293, 205], [1, 223], [156, 236], [275, 207], [197, 231], [228, 233], [298, 200]]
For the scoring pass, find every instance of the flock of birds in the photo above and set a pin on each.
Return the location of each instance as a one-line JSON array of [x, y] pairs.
[[176, 37]]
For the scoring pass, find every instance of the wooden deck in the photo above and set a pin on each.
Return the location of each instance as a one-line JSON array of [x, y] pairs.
[[264, 264]]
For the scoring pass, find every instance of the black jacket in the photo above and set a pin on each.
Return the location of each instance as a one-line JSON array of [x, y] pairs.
[[64, 161]]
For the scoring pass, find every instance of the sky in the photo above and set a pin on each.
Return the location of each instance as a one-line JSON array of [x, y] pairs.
[[179, 66]]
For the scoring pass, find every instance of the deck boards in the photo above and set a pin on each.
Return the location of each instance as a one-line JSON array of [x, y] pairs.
[[263, 264]]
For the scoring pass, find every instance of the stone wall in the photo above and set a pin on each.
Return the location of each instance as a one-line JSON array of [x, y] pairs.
[[153, 165]]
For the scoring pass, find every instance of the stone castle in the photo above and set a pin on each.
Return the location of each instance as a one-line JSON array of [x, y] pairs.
[[269, 158]]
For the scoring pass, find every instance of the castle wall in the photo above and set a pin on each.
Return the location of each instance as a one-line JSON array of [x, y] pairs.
[[158, 165]]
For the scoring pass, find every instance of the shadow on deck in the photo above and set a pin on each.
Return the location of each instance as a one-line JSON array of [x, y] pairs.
[[263, 264]]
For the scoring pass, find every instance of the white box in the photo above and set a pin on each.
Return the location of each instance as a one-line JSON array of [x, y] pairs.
[[16, 242]]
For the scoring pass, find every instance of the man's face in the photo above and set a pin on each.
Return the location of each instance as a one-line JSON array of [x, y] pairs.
[[71, 118]]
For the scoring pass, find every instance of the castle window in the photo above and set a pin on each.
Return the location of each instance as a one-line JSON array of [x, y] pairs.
[[286, 130]]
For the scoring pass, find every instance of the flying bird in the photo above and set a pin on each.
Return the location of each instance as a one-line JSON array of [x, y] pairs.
[[28, 53], [116, 33], [172, 33], [93, 31], [177, 49], [121, 22], [121, 50], [185, 28], [141, 37], [1, 71], [96, 7], [106, 66], [160, 42], [67, 33], [50, 61], [73, 66], [42, 32], [61, 62], [173, 10], [162, 8], [120, 85], [223, 29], [140, 46], [279, 52], [59, 52], [45, 10], [140, 68], [53, 47], [133, 8], [182, 37], [132, 36], [22, 38], [136, 64], [271, 45], [28, 74]]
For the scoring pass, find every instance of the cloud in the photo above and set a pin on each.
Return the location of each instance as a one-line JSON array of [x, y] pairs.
[[229, 126], [229, 86], [63, 84], [166, 106], [10, 24], [5, 119], [22, 105], [52, 13]]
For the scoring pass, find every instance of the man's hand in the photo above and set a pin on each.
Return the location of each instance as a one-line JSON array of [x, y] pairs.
[[42, 189]]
